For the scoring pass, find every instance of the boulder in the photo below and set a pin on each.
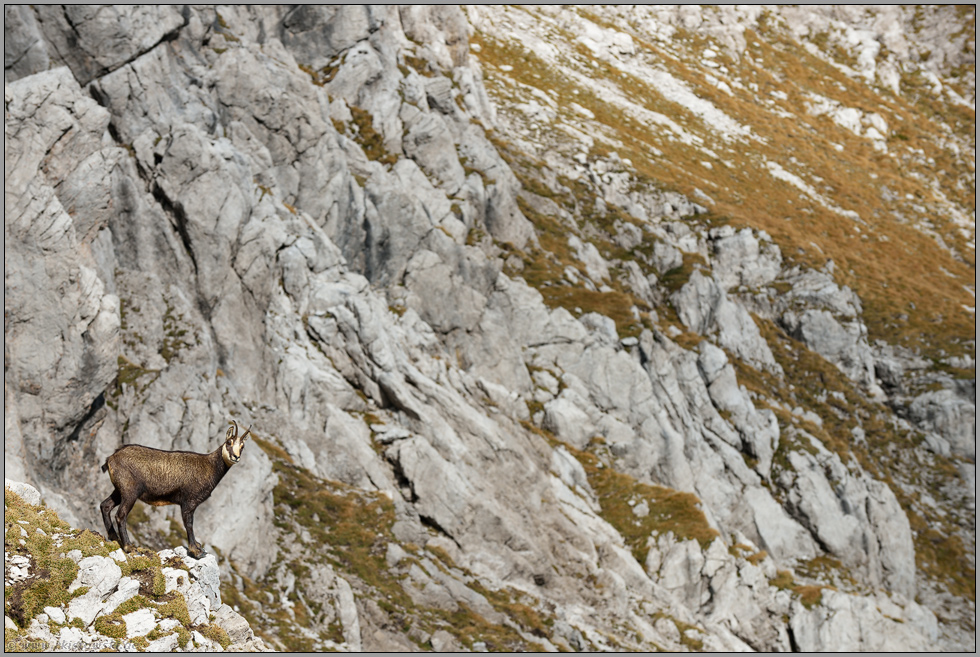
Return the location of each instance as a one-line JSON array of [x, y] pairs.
[[139, 623], [705, 308], [234, 624], [845, 345], [872, 623], [951, 416], [99, 574], [741, 259], [26, 492], [85, 608], [566, 418], [853, 511]]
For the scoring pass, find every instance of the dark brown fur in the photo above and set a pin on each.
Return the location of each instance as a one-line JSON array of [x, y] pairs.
[[159, 477]]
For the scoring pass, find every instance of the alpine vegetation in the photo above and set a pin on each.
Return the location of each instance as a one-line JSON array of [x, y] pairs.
[[567, 327]]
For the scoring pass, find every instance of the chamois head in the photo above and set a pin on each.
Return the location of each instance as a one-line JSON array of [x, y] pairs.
[[231, 451]]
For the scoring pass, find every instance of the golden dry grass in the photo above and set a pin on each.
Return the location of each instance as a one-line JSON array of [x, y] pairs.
[[906, 257], [912, 287]]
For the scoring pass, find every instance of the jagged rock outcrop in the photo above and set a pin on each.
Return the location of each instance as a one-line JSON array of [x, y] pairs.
[[313, 219], [92, 621]]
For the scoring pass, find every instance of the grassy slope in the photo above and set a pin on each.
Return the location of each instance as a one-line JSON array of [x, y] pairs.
[[40, 535], [912, 287], [907, 259]]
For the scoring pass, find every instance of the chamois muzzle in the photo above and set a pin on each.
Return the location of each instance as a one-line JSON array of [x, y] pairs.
[[235, 444]]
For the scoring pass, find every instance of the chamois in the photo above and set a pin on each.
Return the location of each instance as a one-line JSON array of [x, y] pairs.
[[159, 477]]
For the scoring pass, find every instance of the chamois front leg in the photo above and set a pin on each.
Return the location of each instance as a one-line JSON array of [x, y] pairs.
[[108, 504], [194, 548], [125, 506]]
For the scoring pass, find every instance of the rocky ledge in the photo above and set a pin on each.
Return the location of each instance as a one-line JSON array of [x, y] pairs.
[[155, 602]]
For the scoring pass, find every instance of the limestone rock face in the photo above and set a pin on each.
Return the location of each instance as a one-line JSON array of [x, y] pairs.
[[705, 308], [951, 416], [314, 221], [854, 511], [741, 258], [867, 622], [56, 281]]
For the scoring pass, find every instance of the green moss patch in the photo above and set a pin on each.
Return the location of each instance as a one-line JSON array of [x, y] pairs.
[[369, 138], [810, 595], [111, 625], [216, 634], [51, 573]]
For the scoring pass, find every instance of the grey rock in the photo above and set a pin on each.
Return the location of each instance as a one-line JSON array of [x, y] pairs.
[[439, 94], [443, 641], [779, 534], [817, 289], [668, 629], [139, 623], [427, 592], [234, 624], [24, 50], [949, 415], [503, 217], [759, 429], [641, 284], [666, 257], [56, 615], [26, 492], [70, 638], [677, 567], [602, 327], [56, 388], [429, 142], [103, 39], [866, 622], [704, 307], [168, 643], [126, 588], [85, 608], [739, 258], [844, 345], [99, 574], [854, 511], [347, 611], [595, 265], [447, 303], [315, 35], [571, 472], [566, 418]]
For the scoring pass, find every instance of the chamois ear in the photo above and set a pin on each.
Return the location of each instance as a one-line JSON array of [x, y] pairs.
[[232, 431]]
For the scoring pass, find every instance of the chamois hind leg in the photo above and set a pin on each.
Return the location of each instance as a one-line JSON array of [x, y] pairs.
[[108, 504], [125, 506], [194, 548]]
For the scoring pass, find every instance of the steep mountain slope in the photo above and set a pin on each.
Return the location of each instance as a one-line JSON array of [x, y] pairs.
[[626, 349], [103, 599]]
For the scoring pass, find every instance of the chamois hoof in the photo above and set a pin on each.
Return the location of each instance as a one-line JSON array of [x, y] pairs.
[[129, 549], [196, 552]]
